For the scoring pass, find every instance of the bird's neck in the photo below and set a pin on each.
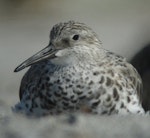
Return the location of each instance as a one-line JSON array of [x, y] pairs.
[[80, 56]]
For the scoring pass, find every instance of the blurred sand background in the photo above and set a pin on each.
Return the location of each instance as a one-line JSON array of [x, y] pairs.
[[122, 25]]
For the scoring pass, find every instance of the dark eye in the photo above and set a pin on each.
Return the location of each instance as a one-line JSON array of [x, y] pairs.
[[75, 37]]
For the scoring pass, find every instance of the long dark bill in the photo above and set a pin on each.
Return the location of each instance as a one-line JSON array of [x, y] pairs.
[[47, 52]]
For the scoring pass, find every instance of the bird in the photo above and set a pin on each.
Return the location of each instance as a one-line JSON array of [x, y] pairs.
[[75, 73]]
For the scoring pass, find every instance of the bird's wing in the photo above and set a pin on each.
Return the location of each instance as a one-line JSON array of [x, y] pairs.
[[132, 78], [125, 71], [31, 78]]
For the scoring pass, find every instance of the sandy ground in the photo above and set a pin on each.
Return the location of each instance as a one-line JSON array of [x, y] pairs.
[[123, 26], [75, 126]]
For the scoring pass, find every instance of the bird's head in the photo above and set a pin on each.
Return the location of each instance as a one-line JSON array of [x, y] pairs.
[[66, 41]]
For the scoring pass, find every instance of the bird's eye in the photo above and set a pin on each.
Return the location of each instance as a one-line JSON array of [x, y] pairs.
[[75, 37]]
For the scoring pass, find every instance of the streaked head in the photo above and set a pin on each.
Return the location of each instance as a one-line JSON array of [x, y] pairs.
[[64, 37]]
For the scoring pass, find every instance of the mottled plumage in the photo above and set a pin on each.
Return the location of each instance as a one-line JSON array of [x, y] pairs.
[[75, 73]]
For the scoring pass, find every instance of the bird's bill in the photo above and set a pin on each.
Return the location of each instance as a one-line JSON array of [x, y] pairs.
[[47, 52]]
